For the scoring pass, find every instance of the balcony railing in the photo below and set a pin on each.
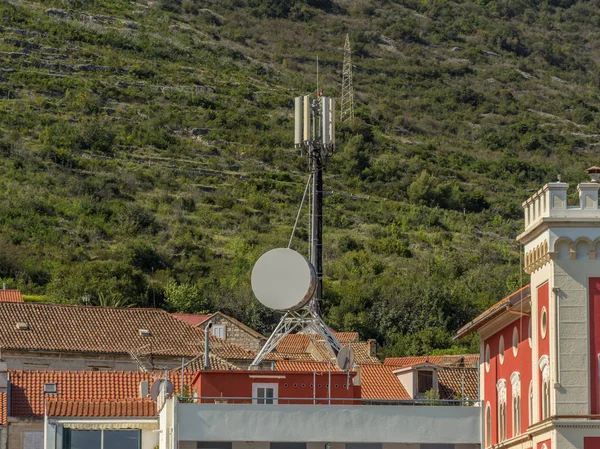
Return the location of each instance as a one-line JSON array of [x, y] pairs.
[[327, 401]]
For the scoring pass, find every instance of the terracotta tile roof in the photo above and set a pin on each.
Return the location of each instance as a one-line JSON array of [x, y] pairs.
[[216, 363], [299, 356], [313, 347], [362, 353], [346, 337], [67, 328], [294, 344], [27, 387], [379, 382], [458, 361], [493, 311], [191, 318], [102, 409], [10, 296], [293, 365], [3, 408], [458, 383]]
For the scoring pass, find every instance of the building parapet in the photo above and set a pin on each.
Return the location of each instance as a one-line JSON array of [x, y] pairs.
[[332, 423], [550, 202]]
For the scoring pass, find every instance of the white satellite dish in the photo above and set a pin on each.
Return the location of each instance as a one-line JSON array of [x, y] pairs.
[[345, 358], [283, 279]]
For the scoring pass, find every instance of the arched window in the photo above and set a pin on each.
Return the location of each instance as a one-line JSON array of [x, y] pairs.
[[501, 349], [544, 365], [515, 380], [515, 341], [487, 358], [488, 425], [531, 402], [501, 388]]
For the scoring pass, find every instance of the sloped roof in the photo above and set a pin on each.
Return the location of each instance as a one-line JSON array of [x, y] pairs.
[[294, 344], [102, 409], [313, 347], [495, 310], [69, 328], [458, 383], [346, 337], [10, 296], [191, 318], [296, 365], [216, 363], [3, 409], [379, 382], [299, 356], [362, 353], [27, 387], [458, 361]]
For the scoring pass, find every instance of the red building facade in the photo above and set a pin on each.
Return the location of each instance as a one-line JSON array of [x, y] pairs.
[[540, 346]]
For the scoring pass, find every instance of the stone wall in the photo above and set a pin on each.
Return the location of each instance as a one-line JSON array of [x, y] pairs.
[[17, 430], [236, 334], [29, 360]]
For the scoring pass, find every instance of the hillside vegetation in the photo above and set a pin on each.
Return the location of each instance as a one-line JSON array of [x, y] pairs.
[[146, 153]]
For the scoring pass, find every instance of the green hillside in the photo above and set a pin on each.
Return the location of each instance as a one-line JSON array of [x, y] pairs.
[[146, 153]]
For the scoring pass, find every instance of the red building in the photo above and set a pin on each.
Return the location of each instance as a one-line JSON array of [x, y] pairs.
[[540, 346]]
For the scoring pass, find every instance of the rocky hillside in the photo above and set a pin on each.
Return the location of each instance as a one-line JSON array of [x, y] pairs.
[[147, 158]]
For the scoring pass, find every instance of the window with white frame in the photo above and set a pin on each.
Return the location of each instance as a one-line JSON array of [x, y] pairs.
[[544, 323], [487, 358], [219, 331], [488, 425], [264, 393], [501, 388], [544, 365], [515, 381], [501, 349], [531, 402], [515, 341]]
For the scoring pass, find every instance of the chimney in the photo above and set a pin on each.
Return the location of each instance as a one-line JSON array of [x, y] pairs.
[[588, 191], [144, 389], [372, 347]]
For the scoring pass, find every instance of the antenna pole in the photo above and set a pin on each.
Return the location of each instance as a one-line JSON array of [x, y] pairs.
[[315, 133], [317, 222]]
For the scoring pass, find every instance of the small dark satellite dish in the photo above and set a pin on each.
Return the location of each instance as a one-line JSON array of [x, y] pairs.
[[345, 358]]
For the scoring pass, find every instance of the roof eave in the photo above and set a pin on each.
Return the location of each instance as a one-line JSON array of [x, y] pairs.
[[512, 300]]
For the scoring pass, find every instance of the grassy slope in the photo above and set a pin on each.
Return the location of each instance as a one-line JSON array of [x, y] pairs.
[[146, 153]]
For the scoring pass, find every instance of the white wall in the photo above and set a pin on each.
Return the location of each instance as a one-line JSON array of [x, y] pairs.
[[335, 423], [572, 278]]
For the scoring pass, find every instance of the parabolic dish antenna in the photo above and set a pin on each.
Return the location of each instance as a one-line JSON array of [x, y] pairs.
[[345, 358], [283, 279]]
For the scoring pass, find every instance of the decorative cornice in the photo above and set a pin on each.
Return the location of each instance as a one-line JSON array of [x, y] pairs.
[[537, 257]]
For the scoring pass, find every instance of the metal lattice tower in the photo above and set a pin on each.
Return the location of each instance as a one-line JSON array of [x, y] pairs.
[[347, 106]]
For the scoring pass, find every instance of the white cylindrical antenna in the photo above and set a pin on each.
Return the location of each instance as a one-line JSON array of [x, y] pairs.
[[298, 121], [306, 104], [325, 120], [332, 121]]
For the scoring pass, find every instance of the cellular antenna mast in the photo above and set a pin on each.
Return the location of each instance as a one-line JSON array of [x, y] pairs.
[[280, 280], [347, 108]]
